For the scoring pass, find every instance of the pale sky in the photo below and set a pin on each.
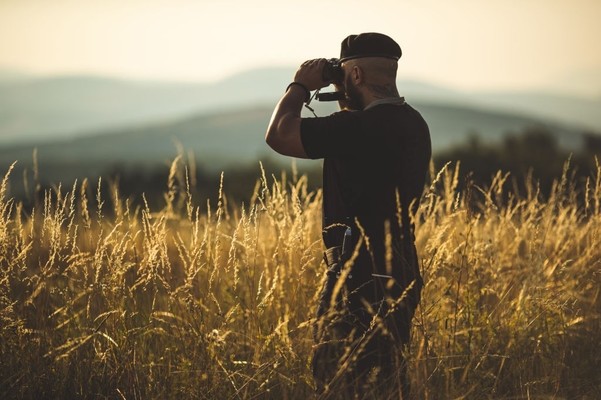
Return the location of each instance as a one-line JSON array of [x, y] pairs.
[[464, 44]]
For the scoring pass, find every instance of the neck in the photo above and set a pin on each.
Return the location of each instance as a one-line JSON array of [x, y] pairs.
[[390, 100], [379, 91]]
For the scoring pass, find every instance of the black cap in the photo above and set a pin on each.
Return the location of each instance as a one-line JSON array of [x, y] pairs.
[[369, 45]]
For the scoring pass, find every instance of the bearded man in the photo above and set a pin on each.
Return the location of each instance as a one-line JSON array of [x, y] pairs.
[[376, 154]]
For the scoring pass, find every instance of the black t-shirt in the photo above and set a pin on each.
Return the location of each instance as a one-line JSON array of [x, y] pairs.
[[369, 157]]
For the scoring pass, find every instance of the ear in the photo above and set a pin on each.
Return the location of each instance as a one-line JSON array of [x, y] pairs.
[[357, 75]]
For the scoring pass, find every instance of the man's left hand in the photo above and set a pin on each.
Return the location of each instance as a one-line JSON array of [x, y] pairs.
[[310, 74]]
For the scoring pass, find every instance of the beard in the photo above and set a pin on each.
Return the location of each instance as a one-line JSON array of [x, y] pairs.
[[353, 99]]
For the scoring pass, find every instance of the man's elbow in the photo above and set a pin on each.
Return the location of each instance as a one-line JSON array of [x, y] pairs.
[[276, 144], [271, 137], [276, 136], [284, 137]]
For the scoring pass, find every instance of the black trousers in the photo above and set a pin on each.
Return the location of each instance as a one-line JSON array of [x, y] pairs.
[[360, 340]]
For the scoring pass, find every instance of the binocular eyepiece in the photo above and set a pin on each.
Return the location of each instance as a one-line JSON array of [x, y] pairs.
[[332, 72]]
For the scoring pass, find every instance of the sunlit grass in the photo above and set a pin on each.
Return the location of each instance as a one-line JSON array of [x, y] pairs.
[[100, 298]]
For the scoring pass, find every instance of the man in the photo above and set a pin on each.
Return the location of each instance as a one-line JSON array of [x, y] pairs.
[[376, 154]]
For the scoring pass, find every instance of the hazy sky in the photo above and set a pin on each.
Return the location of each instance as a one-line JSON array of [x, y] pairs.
[[467, 44]]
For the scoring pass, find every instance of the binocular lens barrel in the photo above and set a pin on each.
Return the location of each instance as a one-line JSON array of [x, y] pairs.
[[332, 71]]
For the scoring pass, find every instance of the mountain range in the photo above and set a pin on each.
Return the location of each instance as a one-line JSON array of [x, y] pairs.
[[33, 109], [82, 125]]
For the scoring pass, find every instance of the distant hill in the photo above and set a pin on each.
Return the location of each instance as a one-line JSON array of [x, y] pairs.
[[74, 106], [86, 126], [558, 108], [222, 139], [71, 106], [12, 76]]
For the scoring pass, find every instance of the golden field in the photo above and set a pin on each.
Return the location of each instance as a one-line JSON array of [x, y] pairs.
[[103, 299]]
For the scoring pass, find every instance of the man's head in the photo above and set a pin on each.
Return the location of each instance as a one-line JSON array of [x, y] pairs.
[[369, 45], [369, 64]]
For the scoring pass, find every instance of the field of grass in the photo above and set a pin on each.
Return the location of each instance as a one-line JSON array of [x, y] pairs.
[[103, 299]]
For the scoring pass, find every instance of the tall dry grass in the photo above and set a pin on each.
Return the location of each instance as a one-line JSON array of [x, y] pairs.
[[215, 301]]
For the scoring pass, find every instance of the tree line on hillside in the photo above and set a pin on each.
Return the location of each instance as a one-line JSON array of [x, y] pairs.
[[533, 153]]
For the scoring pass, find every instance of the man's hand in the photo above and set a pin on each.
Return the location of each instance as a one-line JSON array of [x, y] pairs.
[[310, 74]]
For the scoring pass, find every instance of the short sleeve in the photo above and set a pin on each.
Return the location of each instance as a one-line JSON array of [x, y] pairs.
[[335, 135]]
